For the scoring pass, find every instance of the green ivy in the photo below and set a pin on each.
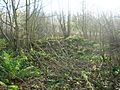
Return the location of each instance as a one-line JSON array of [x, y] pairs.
[[16, 67]]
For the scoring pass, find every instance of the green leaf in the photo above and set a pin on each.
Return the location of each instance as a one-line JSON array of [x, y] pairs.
[[29, 71], [12, 87], [2, 83]]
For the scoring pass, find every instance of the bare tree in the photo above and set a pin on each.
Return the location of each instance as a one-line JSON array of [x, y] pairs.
[[112, 39], [65, 25], [84, 30], [17, 42], [21, 33]]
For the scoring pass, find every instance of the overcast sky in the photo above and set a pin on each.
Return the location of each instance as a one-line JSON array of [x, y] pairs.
[[91, 5]]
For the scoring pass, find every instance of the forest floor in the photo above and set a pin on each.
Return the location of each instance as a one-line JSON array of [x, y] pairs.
[[65, 64]]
